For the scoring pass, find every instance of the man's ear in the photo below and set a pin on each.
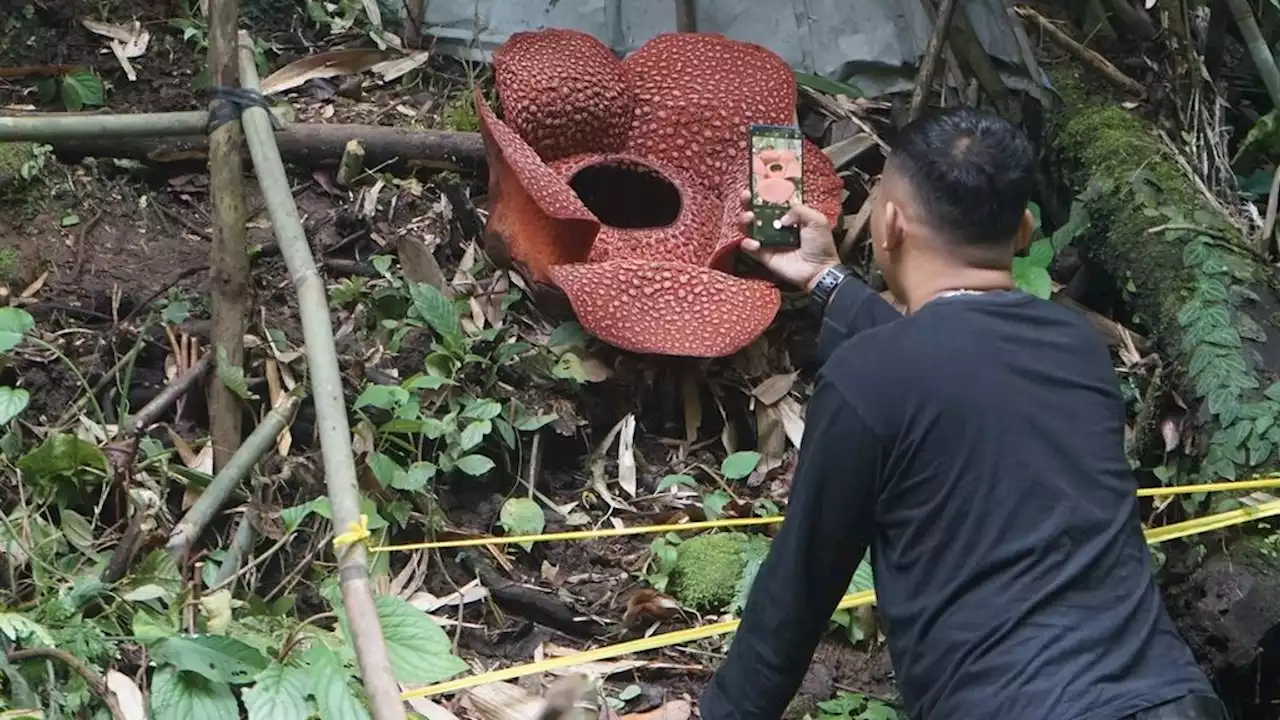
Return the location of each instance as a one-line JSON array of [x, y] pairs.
[[895, 227], [1025, 229]]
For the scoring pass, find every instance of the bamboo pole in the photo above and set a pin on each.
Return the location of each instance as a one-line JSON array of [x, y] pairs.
[[229, 255], [44, 127], [331, 410], [686, 16], [937, 39], [1258, 49]]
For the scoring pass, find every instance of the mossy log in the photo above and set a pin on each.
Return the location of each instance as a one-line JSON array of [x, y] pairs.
[[1193, 280], [1214, 309]]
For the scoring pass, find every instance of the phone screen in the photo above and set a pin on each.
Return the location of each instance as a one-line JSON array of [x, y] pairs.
[[776, 182]]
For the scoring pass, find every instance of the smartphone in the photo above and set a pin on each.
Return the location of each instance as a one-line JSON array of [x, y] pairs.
[[776, 182]]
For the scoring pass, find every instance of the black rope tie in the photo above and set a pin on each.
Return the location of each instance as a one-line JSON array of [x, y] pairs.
[[230, 102]]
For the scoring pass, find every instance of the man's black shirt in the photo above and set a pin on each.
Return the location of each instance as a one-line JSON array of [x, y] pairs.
[[977, 448]]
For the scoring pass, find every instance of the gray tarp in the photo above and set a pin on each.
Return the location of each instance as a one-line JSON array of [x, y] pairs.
[[876, 42]]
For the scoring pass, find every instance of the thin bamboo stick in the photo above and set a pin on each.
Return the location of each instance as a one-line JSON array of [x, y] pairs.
[[326, 387]]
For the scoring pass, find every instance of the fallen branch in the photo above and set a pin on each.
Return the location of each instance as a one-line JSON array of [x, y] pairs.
[[937, 39], [261, 440], [327, 391], [1082, 53], [531, 604], [97, 683], [1263, 60], [167, 397], [308, 145]]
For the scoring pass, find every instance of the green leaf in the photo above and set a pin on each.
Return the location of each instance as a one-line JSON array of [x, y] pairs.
[[437, 312], [219, 658], [387, 471], [21, 629], [12, 402], [331, 684], [427, 382], [533, 422], [179, 695], [483, 409], [433, 428], [739, 464], [15, 323], [81, 88], [1031, 279], [522, 516], [278, 693], [713, 504], [419, 474], [1262, 424], [233, 376], [828, 86], [506, 431], [1273, 392], [474, 465], [863, 579], [569, 367], [1195, 253], [474, 433], [382, 396], [1224, 336], [420, 651], [566, 336], [676, 480], [61, 453], [1077, 224], [1040, 254]]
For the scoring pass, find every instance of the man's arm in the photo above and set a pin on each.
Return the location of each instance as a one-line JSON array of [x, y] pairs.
[[829, 525], [853, 308]]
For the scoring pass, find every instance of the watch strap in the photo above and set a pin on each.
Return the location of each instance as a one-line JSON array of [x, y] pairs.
[[826, 286]]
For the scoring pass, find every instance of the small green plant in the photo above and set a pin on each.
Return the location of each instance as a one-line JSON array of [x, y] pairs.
[[1031, 271], [460, 113], [664, 552], [856, 706], [15, 323], [76, 90]]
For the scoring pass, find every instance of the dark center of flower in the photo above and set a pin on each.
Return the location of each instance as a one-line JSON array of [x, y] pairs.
[[626, 194]]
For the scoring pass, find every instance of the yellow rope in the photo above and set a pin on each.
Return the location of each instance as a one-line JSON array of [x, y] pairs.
[[1154, 536], [1271, 481]]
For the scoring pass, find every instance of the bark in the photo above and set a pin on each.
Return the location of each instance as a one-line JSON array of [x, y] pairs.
[[307, 145]]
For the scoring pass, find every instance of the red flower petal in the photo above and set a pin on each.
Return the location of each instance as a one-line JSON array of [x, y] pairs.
[[564, 92], [668, 308], [535, 219], [695, 95]]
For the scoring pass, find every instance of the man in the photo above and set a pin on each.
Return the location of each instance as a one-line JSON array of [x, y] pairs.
[[976, 445]]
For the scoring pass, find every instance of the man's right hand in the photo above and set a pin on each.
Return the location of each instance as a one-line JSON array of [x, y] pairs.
[[799, 266]]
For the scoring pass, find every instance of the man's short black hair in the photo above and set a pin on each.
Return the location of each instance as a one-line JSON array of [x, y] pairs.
[[971, 172]]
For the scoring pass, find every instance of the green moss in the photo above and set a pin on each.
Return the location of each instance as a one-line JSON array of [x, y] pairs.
[[10, 265], [460, 114], [707, 571]]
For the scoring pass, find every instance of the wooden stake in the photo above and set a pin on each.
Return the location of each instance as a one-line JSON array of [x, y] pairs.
[[687, 16], [229, 256], [937, 39]]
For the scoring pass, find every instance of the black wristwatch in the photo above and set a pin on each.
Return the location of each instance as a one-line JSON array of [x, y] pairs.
[[825, 288]]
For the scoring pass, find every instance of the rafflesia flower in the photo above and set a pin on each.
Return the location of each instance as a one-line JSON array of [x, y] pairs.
[[619, 182], [776, 171]]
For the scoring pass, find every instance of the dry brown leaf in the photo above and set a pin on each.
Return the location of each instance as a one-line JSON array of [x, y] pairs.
[[674, 710], [469, 593], [128, 696], [428, 709], [775, 388], [649, 604], [334, 63], [503, 701], [627, 455], [771, 439], [792, 419], [35, 287], [393, 69]]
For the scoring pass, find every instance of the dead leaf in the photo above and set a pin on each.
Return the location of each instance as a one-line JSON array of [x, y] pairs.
[[128, 696], [334, 63], [775, 388], [35, 287], [125, 42], [469, 593], [1171, 431], [792, 419], [593, 370], [648, 603], [428, 709], [389, 70], [503, 701], [674, 710], [627, 455]]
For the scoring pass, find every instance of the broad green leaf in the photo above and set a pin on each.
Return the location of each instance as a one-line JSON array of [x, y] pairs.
[[1273, 391], [566, 336], [77, 530], [739, 464], [382, 396], [387, 471], [15, 323], [484, 409], [569, 367], [522, 516], [713, 504], [177, 695], [420, 651], [21, 629], [81, 88], [671, 481], [863, 579], [474, 465], [218, 658], [426, 382], [12, 402], [1040, 254], [419, 474], [533, 422], [61, 453], [1034, 209], [1032, 279], [474, 433], [278, 693], [331, 686], [437, 312]]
